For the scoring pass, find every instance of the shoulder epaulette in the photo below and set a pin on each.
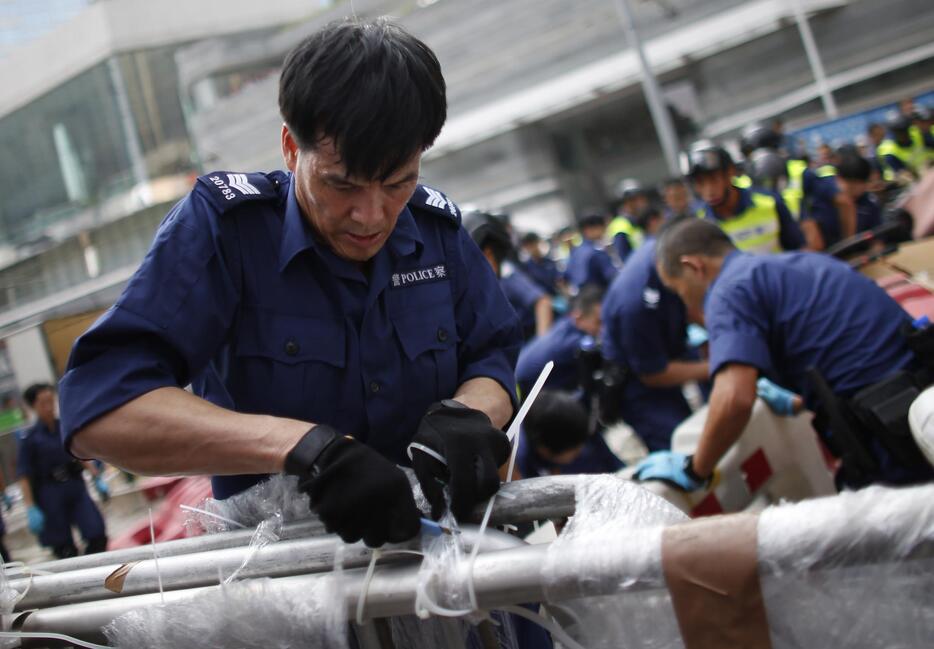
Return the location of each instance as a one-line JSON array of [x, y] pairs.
[[431, 200], [227, 189]]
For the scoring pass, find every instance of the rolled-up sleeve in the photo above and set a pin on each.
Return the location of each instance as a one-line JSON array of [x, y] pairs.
[[487, 326], [163, 330], [737, 326]]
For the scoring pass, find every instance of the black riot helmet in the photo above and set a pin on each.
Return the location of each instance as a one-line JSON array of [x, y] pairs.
[[489, 231], [629, 188], [767, 169], [703, 157], [897, 123], [758, 136]]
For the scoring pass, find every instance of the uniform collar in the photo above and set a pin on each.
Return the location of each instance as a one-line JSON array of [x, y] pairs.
[[729, 259], [298, 235], [743, 204]]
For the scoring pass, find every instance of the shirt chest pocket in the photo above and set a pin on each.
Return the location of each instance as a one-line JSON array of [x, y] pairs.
[[428, 337], [290, 365]]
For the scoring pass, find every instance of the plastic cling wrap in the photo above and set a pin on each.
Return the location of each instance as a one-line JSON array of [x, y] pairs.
[[276, 497], [242, 615]]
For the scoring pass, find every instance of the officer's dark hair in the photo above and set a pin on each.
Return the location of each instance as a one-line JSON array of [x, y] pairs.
[[689, 237], [556, 421], [646, 214], [852, 166], [591, 218], [589, 297], [530, 237], [372, 87], [673, 181], [31, 393]]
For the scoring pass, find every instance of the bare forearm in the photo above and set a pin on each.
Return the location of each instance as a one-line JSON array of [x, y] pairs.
[[543, 316], [731, 403], [26, 489], [485, 394], [677, 373], [846, 212], [172, 432]]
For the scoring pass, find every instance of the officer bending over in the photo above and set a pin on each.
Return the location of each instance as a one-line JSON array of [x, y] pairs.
[[325, 318], [779, 316], [52, 482]]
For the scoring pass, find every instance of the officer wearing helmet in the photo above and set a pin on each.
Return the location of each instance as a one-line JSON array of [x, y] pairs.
[[755, 219], [530, 301], [632, 198], [588, 263]]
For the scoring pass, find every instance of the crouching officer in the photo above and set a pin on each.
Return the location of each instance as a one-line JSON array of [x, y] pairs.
[[756, 220], [52, 483], [325, 318], [790, 318]]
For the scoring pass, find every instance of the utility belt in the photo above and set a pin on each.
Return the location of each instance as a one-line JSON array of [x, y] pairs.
[[877, 412], [63, 472], [603, 383]]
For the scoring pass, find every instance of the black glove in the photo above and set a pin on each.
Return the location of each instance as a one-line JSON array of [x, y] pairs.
[[474, 450], [356, 492]]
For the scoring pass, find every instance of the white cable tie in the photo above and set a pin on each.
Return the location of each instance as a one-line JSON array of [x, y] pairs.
[[361, 599], [155, 555], [549, 625], [427, 451], [189, 508]]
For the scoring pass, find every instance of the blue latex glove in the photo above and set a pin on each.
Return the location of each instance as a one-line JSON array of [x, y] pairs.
[[697, 335], [559, 304], [669, 467], [35, 519], [780, 400], [7, 501], [102, 487]]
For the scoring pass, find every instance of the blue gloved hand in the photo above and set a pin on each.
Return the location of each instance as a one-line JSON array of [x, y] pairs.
[[780, 400], [697, 335], [7, 501], [35, 519], [559, 304], [102, 487], [673, 468]]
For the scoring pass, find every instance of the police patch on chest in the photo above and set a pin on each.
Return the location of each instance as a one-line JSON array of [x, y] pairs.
[[419, 276]]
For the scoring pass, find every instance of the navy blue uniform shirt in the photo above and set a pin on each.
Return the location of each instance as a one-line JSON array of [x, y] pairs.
[[240, 298], [789, 237], [588, 265], [645, 328], [784, 314], [544, 272], [560, 344], [523, 294], [39, 451]]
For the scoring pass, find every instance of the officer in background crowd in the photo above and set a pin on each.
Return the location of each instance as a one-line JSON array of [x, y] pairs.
[[645, 332], [757, 221], [531, 302], [679, 204], [562, 345], [901, 157], [325, 318], [589, 264], [626, 236], [840, 205], [802, 320], [52, 482], [539, 266], [557, 439]]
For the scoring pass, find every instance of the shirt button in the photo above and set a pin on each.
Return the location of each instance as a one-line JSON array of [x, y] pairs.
[[291, 347], [442, 334], [374, 387]]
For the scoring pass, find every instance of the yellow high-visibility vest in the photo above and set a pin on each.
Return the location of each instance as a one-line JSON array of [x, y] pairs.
[[757, 230], [912, 157], [793, 194], [622, 225], [743, 182]]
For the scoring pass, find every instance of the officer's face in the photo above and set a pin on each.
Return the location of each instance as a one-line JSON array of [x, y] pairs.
[[712, 187], [676, 197], [45, 405], [354, 216]]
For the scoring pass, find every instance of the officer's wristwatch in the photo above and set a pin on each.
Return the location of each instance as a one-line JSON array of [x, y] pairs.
[[689, 472], [302, 460]]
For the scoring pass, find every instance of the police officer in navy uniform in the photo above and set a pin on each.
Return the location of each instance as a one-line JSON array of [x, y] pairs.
[[541, 268], [781, 317], [840, 205], [757, 220], [52, 482], [562, 345], [645, 331], [588, 263], [325, 318]]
